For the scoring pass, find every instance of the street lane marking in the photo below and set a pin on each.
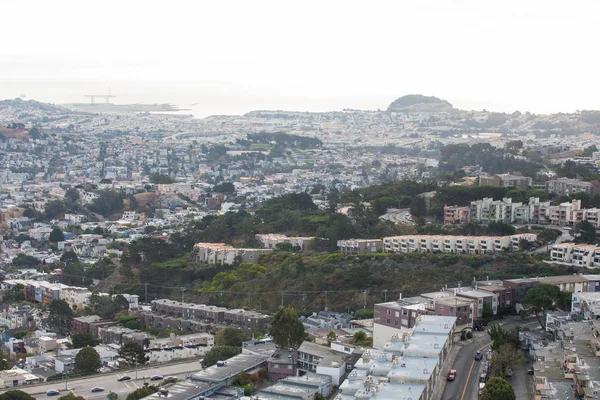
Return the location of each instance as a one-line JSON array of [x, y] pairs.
[[471, 370]]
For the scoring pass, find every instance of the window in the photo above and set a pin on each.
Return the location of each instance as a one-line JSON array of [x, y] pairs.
[[388, 321], [398, 314], [404, 321], [276, 366], [289, 366], [404, 312], [395, 323], [389, 312]]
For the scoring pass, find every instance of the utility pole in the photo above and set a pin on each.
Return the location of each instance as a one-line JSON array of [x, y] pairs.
[[365, 298], [326, 299], [385, 295], [136, 364], [182, 293], [146, 293]]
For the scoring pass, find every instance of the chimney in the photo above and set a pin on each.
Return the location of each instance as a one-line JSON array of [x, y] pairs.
[[400, 296]]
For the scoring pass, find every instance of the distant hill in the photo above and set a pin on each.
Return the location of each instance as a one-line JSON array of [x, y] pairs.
[[26, 105], [418, 102]]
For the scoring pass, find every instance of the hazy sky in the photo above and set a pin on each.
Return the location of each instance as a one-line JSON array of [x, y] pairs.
[[505, 55]]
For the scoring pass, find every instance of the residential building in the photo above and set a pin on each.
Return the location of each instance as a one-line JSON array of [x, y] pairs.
[[568, 283], [581, 255], [271, 240], [75, 297], [360, 246], [506, 180], [568, 187], [481, 300], [82, 324], [298, 388], [283, 363], [454, 244], [324, 360], [221, 253], [519, 287], [456, 214]]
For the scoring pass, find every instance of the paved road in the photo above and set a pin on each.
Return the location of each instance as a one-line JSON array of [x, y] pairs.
[[466, 384], [109, 382], [398, 216]]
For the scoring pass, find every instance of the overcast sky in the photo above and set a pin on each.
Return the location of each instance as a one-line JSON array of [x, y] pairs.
[[530, 55]]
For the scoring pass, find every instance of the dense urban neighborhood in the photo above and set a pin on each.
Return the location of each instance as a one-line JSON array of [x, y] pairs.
[[418, 252]]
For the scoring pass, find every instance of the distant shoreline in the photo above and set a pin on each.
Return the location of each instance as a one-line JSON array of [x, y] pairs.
[[126, 108]]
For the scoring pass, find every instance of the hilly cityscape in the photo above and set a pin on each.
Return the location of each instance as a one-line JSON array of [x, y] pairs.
[[279, 254]]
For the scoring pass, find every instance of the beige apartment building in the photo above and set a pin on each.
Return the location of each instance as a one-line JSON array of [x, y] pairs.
[[221, 253], [271, 240]]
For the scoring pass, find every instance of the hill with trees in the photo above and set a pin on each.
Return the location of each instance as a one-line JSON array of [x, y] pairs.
[[419, 102]]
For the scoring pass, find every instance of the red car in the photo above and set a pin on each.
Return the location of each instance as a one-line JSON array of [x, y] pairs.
[[452, 375]]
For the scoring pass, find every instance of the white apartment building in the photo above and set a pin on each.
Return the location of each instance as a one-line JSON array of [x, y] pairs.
[[581, 255], [454, 244], [490, 210], [75, 297], [566, 186]]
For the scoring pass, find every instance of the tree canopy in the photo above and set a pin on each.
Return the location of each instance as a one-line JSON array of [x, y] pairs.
[[60, 316], [16, 395], [133, 354], [286, 329], [230, 336], [79, 340], [87, 361], [56, 235], [219, 353], [541, 299], [498, 389]]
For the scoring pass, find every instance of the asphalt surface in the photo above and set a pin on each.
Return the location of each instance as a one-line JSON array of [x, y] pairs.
[[398, 216], [466, 384], [83, 387]]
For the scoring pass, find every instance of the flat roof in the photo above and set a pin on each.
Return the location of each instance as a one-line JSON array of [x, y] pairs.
[[232, 367]]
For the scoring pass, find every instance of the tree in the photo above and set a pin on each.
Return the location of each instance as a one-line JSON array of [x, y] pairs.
[[72, 194], [16, 395], [87, 361], [3, 362], [61, 315], [133, 354], [220, 353], [564, 300], [504, 358], [157, 178], [286, 329], [586, 233], [230, 336], [541, 299], [14, 294], [56, 235], [71, 396], [80, 340], [142, 392], [69, 257], [331, 336], [498, 389]]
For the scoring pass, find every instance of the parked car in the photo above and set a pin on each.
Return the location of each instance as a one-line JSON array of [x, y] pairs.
[[156, 378], [124, 378], [97, 389], [52, 392], [478, 356], [452, 375]]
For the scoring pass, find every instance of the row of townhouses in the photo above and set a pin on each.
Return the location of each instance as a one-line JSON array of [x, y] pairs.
[[44, 292], [581, 255], [470, 304], [535, 211], [209, 313], [454, 244]]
